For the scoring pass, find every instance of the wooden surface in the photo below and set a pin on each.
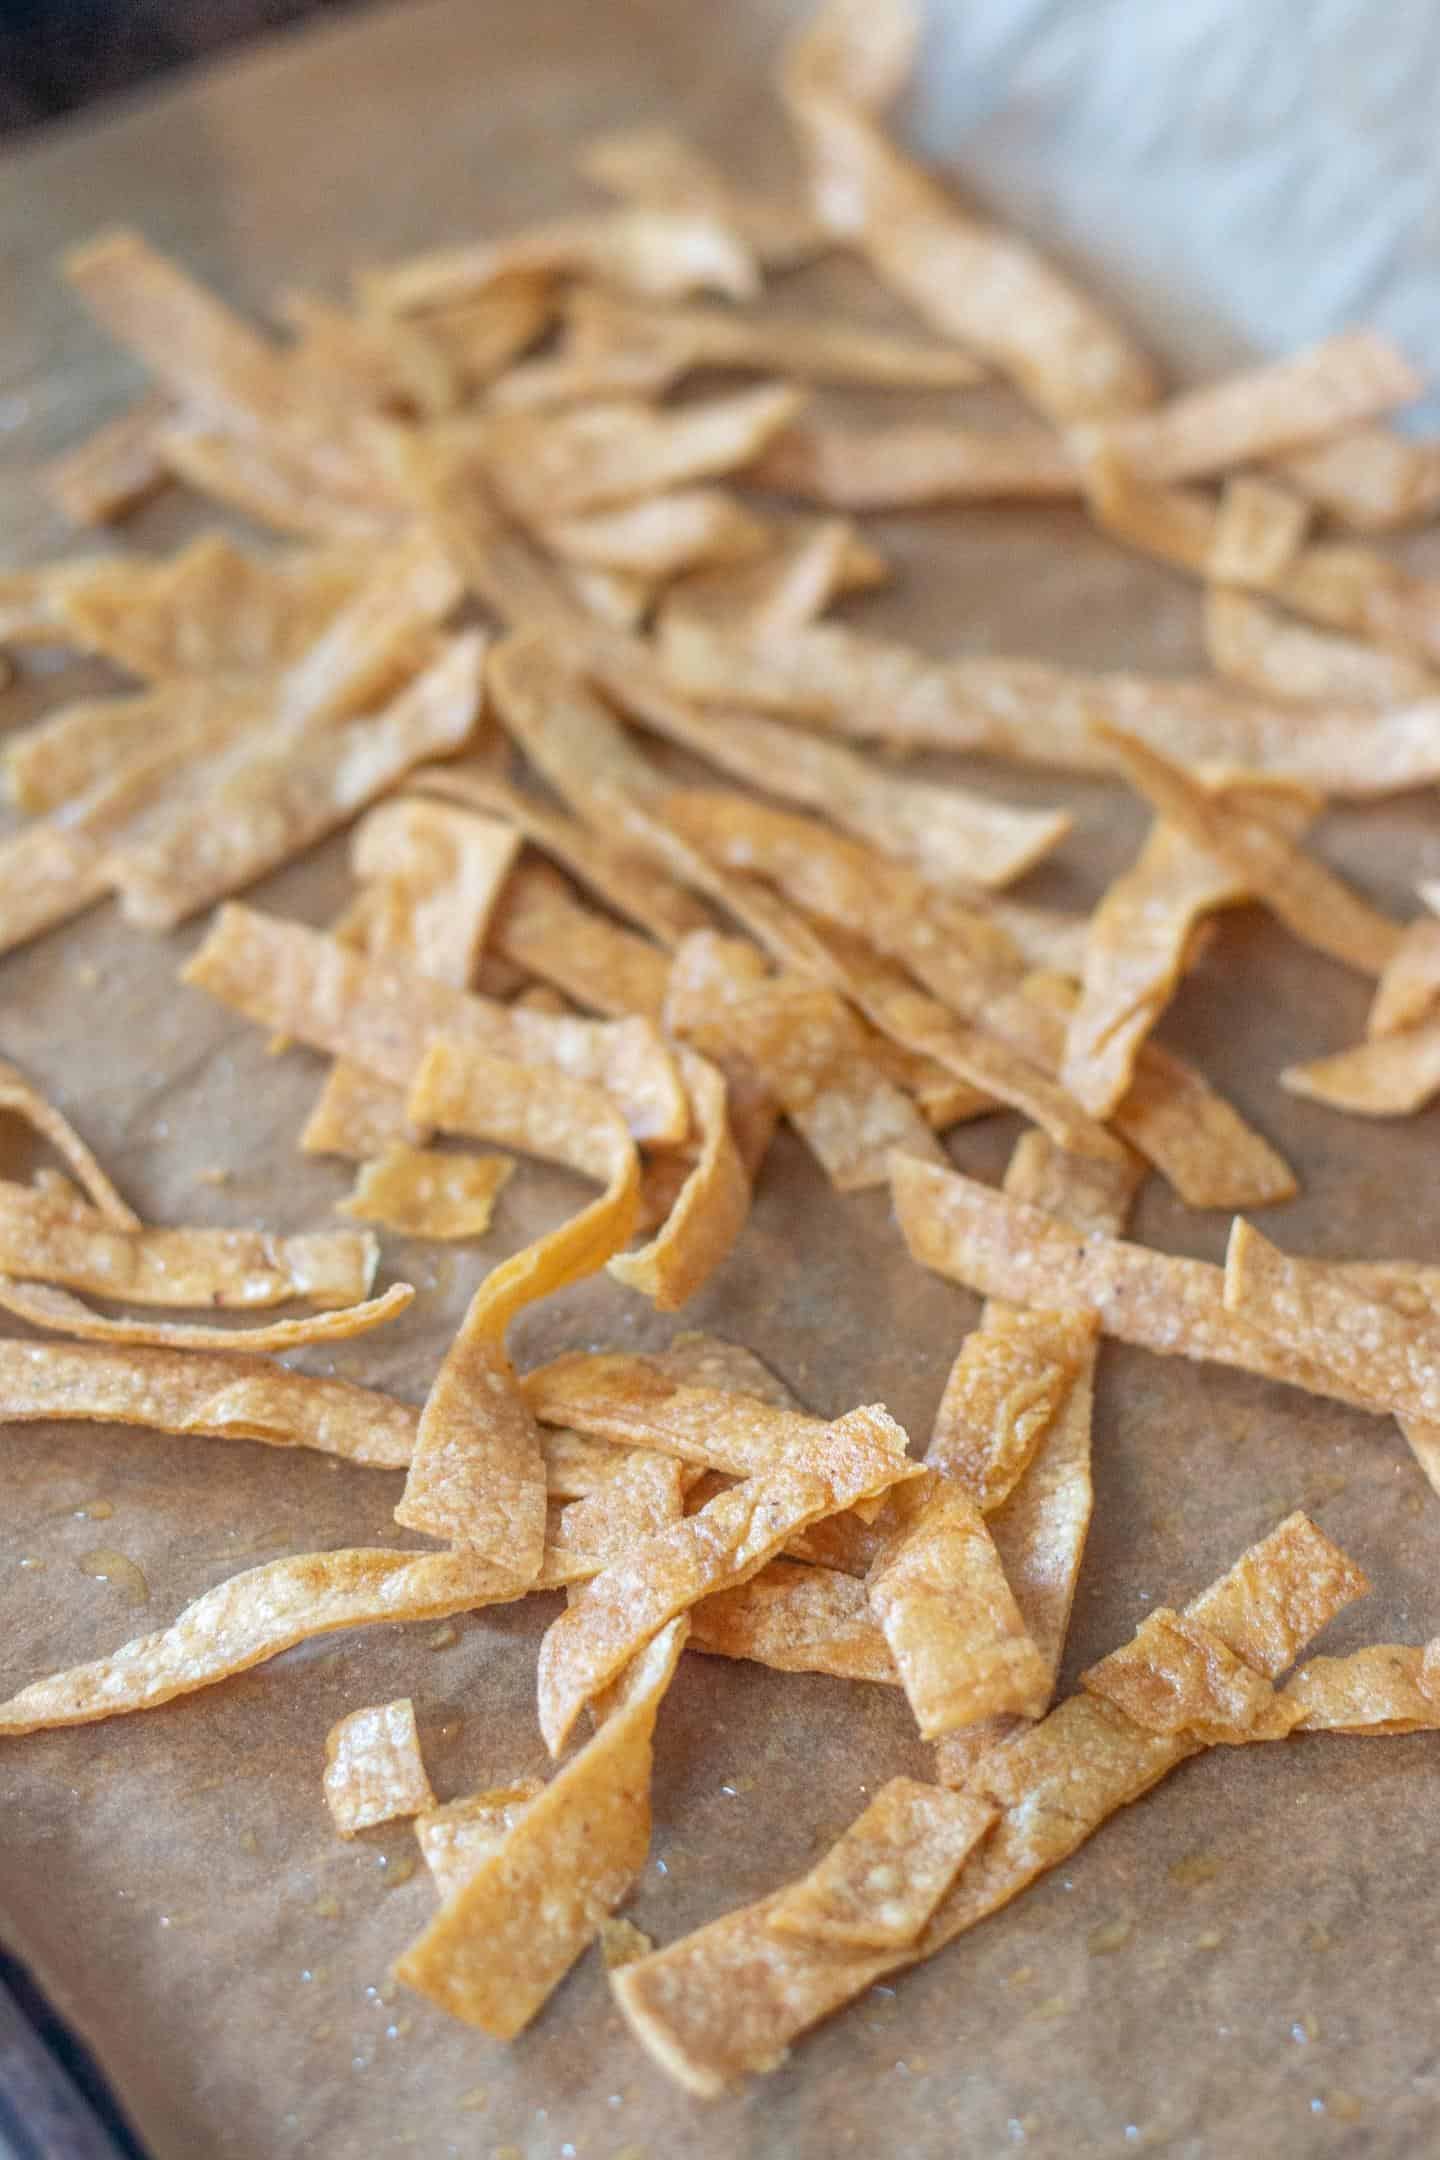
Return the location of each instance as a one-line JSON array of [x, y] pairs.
[[174, 1877]]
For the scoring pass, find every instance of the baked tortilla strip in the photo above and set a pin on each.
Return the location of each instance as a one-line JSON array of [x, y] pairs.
[[108, 474], [1387, 1688], [654, 168], [1388, 1076], [795, 1618], [1274, 655], [912, 464], [656, 254]]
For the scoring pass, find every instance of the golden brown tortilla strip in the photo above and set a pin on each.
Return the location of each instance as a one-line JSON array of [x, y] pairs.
[[481, 336], [444, 871], [374, 1771], [1258, 533], [44, 1306], [710, 1209], [1387, 1688], [505, 1938], [879, 1883], [1176, 1676], [254, 1616], [108, 474], [662, 535], [375, 364], [1011, 1380], [455, 1838], [807, 567], [909, 465], [1388, 1076], [189, 1391], [301, 983], [427, 1192], [731, 1998], [20, 1098], [796, 1619], [546, 930], [654, 168], [267, 480], [1409, 989], [646, 1494], [660, 345], [940, 1596], [655, 254], [1252, 643], [1369, 478], [730, 1539], [1310, 900], [1262, 412], [88, 747]]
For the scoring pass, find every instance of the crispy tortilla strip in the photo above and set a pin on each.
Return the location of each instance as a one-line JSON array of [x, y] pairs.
[[360, 1116], [911, 464], [20, 1098], [444, 871], [266, 480], [254, 1616], [614, 597], [505, 1938], [655, 254], [654, 168], [1259, 532], [554, 465], [1388, 1688], [698, 1359], [730, 1539], [1409, 989], [1253, 643], [1011, 1380], [1175, 1676], [1369, 478], [731, 1998], [85, 748], [576, 1465], [1139, 937], [1388, 1076], [477, 1476], [110, 473], [646, 1494], [710, 1209], [659, 536], [454, 1839], [46, 1307], [546, 930], [1158, 1301], [427, 1192], [809, 566], [796, 1619], [374, 1771], [45, 1240], [371, 363], [481, 336], [845, 682], [187, 1391], [303, 984], [1309, 899], [940, 1596], [1198, 1141], [1262, 412], [883, 1878], [1370, 1351]]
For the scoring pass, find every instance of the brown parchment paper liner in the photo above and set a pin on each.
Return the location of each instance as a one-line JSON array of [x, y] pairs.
[[174, 1877]]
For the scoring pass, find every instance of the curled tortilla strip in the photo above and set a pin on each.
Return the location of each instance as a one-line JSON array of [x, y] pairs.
[[880, 1882], [22, 1099], [300, 983], [1262, 412], [374, 1771], [796, 1619], [426, 1192], [730, 1539], [46, 1307], [654, 168], [1177, 1677], [1139, 937], [1252, 643], [454, 1839], [940, 1596], [1409, 989], [1388, 1076], [544, 929], [106, 475], [662, 535], [1388, 1688], [1310, 900], [1369, 478], [254, 1616], [505, 1938], [555, 465], [655, 254], [731, 1998], [709, 1211], [477, 1475], [914, 463], [190, 1391], [1011, 1380], [42, 1240], [1259, 532]]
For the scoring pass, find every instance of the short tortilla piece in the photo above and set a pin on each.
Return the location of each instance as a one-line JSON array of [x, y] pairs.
[[374, 1771], [254, 1616], [661, 535], [449, 869], [1313, 903], [880, 1882], [910, 465], [709, 1211], [102, 478], [1176, 1677], [730, 1539], [1388, 1688], [1388, 1076], [428, 1192], [44, 1306], [655, 254], [546, 930], [1369, 478], [190, 1391], [796, 1618], [654, 168], [732, 1997], [22, 1099], [1012, 1378], [1409, 990], [504, 1939], [455, 1838], [1259, 532]]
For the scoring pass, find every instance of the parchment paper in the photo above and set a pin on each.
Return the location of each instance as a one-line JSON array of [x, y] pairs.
[[173, 1877]]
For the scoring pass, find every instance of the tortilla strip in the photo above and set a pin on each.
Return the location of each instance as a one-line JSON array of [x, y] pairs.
[[731, 1538], [454, 1839], [1264, 411], [662, 535], [807, 567], [44, 1306], [880, 1882], [109, 473], [450, 868], [268, 481], [1317, 906], [544, 929], [555, 465], [1011, 1380], [188, 1391], [1388, 1076], [425, 1192], [1272, 654], [845, 682], [303, 984], [1387, 1688], [20, 1098], [940, 1596], [709, 1211], [795, 1618], [910, 465], [1409, 990], [1370, 478], [1259, 532], [78, 752], [655, 254], [1139, 937], [505, 1938], [254, 1616], [732, 1997], [375, 364], [374, 1771], [1177, 1677], [654, 168]]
